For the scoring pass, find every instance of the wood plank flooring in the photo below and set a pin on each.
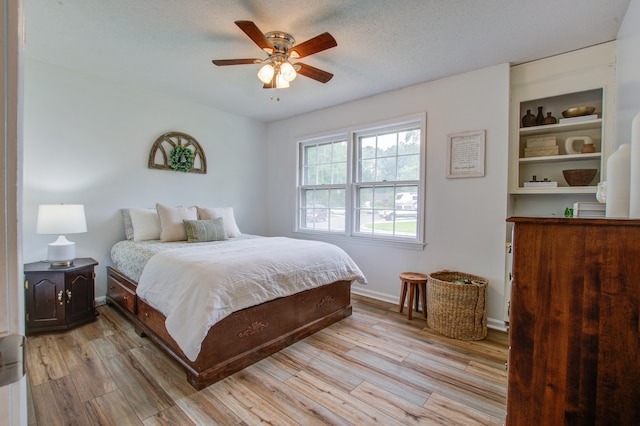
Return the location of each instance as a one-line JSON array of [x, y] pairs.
[[373, 367]]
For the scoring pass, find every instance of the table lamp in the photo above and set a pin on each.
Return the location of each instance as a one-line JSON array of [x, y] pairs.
[[60, 219]]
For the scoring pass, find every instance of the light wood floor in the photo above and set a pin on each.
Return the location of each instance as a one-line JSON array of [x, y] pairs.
[[373, 367]]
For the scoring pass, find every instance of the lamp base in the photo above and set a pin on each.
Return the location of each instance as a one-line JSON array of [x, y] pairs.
[[61, 264], [61, 252]]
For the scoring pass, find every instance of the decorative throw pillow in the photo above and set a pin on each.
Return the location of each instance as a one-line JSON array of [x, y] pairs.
[[146, 224], [128, 226], [199, 231], [226, 213], [171, 225]]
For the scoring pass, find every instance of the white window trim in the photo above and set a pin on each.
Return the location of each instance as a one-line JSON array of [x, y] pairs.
[[349, 235]]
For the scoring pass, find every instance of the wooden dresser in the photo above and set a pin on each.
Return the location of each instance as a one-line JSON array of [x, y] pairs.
[[574, 354]]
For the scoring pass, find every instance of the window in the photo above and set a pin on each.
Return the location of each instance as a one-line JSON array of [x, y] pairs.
[[365, 183], [324, 185]]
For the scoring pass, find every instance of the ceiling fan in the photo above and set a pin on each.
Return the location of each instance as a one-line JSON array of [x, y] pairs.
[[280, 47]]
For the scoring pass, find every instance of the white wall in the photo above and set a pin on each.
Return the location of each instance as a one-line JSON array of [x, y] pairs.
[[628, 73], [87, 141], [465, 229]]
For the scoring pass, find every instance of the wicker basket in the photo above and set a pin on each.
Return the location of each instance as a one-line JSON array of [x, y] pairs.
[[457, 310]]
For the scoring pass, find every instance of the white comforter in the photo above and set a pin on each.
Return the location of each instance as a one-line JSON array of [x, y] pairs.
[[197, 287]]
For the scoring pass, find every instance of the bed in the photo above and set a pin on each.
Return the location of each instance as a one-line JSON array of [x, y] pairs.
[[279, 292]]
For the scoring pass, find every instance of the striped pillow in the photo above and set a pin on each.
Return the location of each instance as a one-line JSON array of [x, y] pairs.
[[199, 231]]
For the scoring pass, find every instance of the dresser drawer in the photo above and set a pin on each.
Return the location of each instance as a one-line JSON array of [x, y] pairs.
[[122, 295], [154, 320]]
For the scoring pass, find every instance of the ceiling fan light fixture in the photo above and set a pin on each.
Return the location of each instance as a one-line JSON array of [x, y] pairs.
[[265, 74], [281, 82], [287, 71]]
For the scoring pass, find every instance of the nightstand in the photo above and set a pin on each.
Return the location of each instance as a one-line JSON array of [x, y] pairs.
[[58, 298]]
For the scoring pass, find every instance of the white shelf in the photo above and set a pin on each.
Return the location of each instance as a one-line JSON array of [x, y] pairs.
[[557, 190], [561, 127], [561, 158]]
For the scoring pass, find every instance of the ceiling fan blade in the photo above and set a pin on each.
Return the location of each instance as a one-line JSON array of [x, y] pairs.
[[317, 44], [313, 72], [222, 62], [256, 35]]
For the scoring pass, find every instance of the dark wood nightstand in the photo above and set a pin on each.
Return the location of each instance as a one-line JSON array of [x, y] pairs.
[[58, 298]]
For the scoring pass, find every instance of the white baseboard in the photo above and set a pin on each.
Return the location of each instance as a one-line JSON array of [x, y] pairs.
[[493, 323], [102, 300]]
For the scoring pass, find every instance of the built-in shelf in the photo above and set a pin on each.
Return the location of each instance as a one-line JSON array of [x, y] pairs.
[[560, 158], [561, 127]]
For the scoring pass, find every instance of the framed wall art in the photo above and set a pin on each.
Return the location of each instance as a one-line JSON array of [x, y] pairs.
[[465, 154]]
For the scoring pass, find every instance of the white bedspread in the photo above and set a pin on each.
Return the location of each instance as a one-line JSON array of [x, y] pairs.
[[197, 287]]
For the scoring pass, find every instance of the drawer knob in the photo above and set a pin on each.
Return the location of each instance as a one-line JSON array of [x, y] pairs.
[[146, 315], [125, 297]]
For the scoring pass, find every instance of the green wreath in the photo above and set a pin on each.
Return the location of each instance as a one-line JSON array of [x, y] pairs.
[[181, 158]]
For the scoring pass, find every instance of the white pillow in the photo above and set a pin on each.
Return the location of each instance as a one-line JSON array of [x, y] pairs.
[[128, 226], [226, 213], [146, 224], [171, 225]]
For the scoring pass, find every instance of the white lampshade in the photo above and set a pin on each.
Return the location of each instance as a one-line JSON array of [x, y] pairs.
[[265, 74], [281, 83], [59, 219], [287, 71]]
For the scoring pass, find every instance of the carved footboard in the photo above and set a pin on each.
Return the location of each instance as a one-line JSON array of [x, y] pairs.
[[242, 338]]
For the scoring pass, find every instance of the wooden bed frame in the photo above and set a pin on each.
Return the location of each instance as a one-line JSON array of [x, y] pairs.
[[243, 337]]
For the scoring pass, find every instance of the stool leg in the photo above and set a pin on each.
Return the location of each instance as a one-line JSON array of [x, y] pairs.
[[403, 295], [424, 299], [411, 296]]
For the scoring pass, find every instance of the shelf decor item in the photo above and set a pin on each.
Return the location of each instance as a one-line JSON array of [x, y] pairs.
[[587, 145], [579, 177], [618, 182], [539, 117], [457, 305], [549, 119], [528, 120], [578, 111]]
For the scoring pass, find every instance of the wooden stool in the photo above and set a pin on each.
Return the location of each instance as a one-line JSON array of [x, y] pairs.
[[417, 283]]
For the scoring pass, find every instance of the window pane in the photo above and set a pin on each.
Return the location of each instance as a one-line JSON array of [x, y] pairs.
[[340, 173], [324, 153], [311, 154], [367, 170], [385, 169], [368, 147], [409, 167], [324, 174], [387, 145], [366, 222], [409, 142], [365, 198], [310, 175], [340, 152]]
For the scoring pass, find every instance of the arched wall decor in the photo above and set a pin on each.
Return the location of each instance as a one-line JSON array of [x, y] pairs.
[[159, 156]]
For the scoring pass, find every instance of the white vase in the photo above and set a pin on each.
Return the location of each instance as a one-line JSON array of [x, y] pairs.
[[618, 181], [634, 188]]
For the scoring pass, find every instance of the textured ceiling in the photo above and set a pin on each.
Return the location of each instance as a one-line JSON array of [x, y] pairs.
[[383, 45]]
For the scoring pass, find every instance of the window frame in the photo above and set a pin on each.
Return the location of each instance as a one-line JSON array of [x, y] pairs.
[[352, 185]]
